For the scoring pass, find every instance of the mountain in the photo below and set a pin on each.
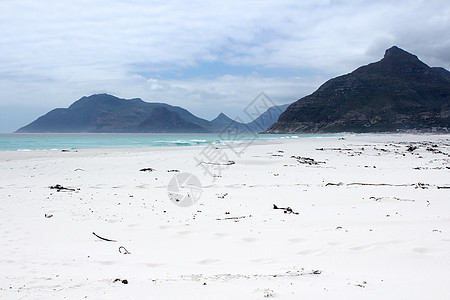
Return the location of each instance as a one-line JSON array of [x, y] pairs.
[[223, 122], [399, 92], [442, 72], [107, 113], [266, 119], [163, 120]]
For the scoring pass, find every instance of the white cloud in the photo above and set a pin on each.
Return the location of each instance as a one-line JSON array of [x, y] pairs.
[[228, 94], [55, 51]]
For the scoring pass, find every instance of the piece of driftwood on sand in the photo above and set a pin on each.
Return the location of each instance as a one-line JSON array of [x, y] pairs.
[[102, 238]]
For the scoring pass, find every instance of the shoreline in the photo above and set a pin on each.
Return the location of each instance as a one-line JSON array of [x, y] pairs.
[[136, 141], [255, 141]]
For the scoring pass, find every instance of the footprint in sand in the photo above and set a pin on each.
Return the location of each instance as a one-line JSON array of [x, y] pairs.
[[263, 260], [208, 261], [250, 240], [310, 252], [423, 250], [334, 244], [165, 227], [143, 186], [113, 220], [297, 240], [362, 247], [154, 265], [107, 262], [221, 234], [183, 233]]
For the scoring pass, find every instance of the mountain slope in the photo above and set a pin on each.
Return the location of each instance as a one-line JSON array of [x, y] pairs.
[[223, 122], [267, 119], [162, 120], [397, 93], [106, 113]]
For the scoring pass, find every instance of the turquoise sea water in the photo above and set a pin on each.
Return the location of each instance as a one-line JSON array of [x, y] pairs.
[[56, 141]]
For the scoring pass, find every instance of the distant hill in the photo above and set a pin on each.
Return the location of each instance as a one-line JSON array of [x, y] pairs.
[[163, 120], [266, 119], [107, 113], [397, 93], [222, 121]]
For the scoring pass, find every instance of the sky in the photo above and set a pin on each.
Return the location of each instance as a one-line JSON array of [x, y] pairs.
[[206, 56]]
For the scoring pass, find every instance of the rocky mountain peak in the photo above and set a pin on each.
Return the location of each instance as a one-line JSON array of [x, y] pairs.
[[399, 92], [396, 53]]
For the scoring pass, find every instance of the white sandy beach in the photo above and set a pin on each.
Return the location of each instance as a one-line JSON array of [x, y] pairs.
[[373, 222]]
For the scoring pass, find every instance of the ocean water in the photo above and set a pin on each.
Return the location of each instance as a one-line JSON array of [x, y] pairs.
[[71, 141]]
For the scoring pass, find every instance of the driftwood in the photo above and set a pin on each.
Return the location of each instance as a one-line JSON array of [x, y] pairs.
[[436, 151], [173, 171], [124, 281], [228, 163], [147, 170], [334, 149], [234, 218], [59, 188], [376, 184], [102, 238], [307, 160], [125, 251], [286, 210], [395, 198], [423, 186], [416, 185], [408, 200], [369, 184]]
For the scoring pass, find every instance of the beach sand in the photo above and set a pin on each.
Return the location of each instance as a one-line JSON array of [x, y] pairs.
[[368, 218]]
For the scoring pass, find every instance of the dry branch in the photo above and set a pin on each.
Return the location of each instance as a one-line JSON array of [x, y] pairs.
[[102, 238]]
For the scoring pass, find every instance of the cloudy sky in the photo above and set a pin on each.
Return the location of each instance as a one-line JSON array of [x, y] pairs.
[[206, 56]]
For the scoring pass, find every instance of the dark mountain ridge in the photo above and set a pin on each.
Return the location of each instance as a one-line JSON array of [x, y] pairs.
[[396, 93], [107, 113], [266, 119], [162, 120]]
